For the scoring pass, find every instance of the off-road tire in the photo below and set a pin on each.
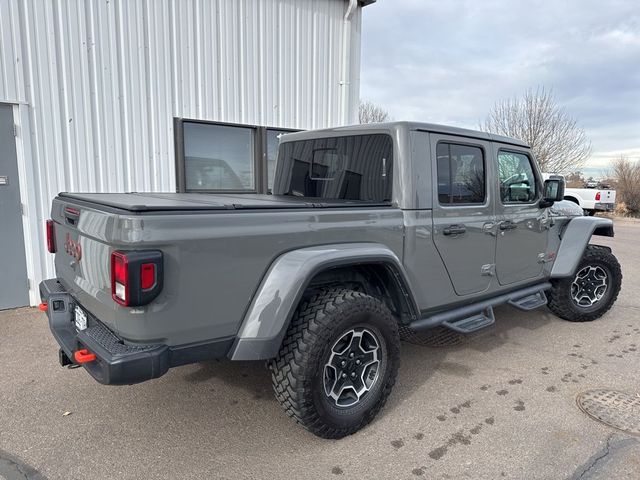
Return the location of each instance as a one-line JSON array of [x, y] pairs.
[[298, 369], [561, 302]]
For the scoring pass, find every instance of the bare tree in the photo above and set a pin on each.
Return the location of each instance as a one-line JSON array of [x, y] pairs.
[[369, 112], [627, 176], [555, 138]]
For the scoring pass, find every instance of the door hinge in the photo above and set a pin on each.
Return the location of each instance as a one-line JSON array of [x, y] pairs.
[[28, 284], [15, 130], [544, 258], [489, 269]]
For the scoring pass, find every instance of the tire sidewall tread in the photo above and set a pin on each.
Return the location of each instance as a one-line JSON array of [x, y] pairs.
[[559, 296], [297, 369]]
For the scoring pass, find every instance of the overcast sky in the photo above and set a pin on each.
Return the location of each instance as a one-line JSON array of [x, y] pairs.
[[449, 61]]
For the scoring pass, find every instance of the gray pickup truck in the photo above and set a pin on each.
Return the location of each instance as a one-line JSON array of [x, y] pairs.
[[370, 231]]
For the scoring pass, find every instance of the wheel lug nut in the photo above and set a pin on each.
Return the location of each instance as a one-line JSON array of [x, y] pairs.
[[344, 375], [353, 374], [343, 363], [357, 362], [351, 355]]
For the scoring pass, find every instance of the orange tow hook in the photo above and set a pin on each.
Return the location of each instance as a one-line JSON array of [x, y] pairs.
[[43, 307], [84, 356]]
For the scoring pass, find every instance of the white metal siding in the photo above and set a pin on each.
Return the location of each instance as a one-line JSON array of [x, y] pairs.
[[97, 84]]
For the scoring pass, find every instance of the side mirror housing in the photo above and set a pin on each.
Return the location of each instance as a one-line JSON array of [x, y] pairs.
[[553, 191]]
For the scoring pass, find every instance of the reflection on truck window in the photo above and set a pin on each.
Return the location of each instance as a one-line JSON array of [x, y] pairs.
[[461, 178], [357, 167], [218, 157], [517, 180], [211, 174]]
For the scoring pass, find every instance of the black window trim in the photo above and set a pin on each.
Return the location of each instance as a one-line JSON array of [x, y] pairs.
[[486, 201], [535, 175], [260, 160]]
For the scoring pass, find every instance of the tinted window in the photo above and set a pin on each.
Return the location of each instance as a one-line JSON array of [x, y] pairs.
[[461, 177], [356, 167], [218, 157], [517, 180]]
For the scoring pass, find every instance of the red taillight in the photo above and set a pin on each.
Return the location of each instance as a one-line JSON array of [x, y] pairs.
[[136, 276], [147, 276], [51, 236], [597, 195], [120, 278]]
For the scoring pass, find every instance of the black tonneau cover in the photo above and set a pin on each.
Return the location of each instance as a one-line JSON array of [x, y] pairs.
[[161, 202]]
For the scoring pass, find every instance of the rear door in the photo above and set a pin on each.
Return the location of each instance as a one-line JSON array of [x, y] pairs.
[[522, 225], [463, 216], [14, 291]]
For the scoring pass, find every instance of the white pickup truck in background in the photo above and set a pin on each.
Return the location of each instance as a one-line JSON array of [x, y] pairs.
[[591, 200]]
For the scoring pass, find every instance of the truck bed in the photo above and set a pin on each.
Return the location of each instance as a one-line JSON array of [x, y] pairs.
[[181, 202], [216, 250]]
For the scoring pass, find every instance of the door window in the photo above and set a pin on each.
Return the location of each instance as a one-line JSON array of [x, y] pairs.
[[461, 174], [517, 180]]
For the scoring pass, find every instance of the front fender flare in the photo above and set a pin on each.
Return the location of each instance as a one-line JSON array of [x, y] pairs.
[[575, 238], [267, 319]]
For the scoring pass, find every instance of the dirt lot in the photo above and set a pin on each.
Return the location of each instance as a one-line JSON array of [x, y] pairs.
[[501, 404]]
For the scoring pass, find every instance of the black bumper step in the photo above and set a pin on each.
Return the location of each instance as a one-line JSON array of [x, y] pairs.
[[117, 362]]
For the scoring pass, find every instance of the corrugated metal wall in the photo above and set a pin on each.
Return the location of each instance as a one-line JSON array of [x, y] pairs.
[[96, 85]]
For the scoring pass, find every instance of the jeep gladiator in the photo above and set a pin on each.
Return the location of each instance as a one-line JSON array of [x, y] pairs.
[[372, 231]]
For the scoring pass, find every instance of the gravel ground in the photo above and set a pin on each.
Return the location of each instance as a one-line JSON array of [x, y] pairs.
[[500, 404]]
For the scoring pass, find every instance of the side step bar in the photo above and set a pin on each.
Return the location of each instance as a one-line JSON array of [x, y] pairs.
[[471, 324], [530, 302], [469, 316]]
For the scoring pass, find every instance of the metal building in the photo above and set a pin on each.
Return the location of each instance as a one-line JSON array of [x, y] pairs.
[[99, 96]]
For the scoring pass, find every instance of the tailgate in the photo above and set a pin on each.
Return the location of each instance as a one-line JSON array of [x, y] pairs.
[[607, 196], [82, 258]]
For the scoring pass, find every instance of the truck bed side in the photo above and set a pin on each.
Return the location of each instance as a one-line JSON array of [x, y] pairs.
[[200, 282]]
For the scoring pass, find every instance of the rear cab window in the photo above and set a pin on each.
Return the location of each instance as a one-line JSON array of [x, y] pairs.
[[356, 167]]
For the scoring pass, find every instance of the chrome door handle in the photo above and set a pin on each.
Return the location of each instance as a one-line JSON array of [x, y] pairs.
[[508, 225], [454, 230]]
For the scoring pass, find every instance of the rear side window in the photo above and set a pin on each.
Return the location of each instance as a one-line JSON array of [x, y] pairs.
[[357, 167], [461, 174], [517, 180]]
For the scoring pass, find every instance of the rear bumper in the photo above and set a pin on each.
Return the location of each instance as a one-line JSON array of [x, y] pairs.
[[117, 362], [605, 207]]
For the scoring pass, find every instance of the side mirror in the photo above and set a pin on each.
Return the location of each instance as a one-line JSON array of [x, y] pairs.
[[553, 191]]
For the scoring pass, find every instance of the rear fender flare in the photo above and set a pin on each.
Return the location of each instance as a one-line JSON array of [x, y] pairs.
[[575, 238], [267, 318]]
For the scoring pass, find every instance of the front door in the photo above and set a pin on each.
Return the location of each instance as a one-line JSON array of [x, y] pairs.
[[14, 291], [522, 225], [463, 219]]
